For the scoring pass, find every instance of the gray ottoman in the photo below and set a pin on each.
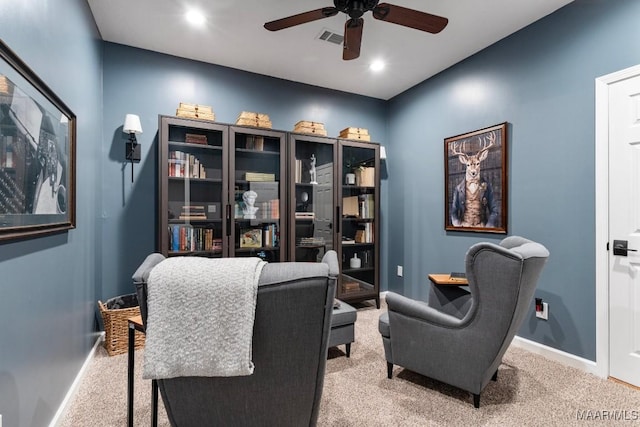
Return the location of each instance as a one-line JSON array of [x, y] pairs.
[[342, 326]]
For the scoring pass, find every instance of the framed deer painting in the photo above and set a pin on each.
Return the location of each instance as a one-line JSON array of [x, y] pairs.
[[475, 181]]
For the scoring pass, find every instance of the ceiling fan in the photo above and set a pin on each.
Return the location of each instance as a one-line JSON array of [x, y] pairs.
[[353, 27]]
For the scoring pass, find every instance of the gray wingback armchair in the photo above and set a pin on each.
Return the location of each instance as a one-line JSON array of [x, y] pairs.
[[460, 336], [289, 351]]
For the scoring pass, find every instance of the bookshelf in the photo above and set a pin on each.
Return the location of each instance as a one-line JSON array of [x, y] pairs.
[[204, 170], [238, 191], [328, 213]]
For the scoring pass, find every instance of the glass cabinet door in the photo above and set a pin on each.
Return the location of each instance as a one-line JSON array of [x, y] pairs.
[[312, 193], [192, 170], [256, 193], [359, 252]]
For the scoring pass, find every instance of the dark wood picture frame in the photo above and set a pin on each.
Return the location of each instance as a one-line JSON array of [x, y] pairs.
[[475, 181], [37, 154]]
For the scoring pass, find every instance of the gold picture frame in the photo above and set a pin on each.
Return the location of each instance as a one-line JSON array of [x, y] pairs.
[[475, 180]]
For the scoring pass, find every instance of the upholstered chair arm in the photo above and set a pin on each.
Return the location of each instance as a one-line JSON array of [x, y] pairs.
[[421, 311]]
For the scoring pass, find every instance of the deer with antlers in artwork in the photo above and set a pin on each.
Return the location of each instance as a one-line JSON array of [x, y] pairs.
[[473, 204]]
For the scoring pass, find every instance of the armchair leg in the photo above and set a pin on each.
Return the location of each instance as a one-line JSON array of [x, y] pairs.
[[389, 370], [348, 349], [495, 376], [476, 400]]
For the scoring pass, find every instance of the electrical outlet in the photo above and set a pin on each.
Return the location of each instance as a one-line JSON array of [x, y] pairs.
[[399, 274], [544, 314]]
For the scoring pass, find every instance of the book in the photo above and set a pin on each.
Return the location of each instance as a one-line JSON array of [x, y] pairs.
[[305, 215], [257, 176], [192, 212]]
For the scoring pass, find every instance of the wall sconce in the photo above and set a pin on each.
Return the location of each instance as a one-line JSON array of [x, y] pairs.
[[132, 126]]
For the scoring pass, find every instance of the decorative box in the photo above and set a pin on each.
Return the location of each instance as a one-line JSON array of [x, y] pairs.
[[314, 128], [195, 111], [360, 134], [247, 118]]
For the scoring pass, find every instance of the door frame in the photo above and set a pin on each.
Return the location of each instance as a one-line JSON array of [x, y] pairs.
[[602, 212]]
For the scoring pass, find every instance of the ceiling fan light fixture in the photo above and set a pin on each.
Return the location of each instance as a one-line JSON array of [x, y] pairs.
[[355, 9]]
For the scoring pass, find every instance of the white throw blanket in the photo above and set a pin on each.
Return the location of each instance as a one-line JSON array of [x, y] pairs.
[[200, 317]]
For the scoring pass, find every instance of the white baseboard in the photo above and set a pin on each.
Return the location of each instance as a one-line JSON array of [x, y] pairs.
[[72, 390], [559, 356]]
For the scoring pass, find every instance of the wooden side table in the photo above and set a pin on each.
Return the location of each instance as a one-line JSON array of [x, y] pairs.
[[135, 324], [447, 280]]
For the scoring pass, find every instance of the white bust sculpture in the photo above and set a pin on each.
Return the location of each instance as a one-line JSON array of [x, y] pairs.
[[249, 198]]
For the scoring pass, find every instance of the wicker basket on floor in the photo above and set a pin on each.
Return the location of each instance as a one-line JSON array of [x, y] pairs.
[[116, 325]]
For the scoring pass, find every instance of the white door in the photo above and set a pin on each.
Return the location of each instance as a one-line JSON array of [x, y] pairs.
[[624, 225], [323, 205]]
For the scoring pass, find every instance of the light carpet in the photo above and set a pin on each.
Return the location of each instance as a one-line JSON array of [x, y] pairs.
[[530, 391]]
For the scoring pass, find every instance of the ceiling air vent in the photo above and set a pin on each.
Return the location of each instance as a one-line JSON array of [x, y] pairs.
[[331, 36]]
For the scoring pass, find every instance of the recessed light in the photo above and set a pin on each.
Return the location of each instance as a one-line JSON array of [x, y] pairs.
[[377, 65], [195, 17]]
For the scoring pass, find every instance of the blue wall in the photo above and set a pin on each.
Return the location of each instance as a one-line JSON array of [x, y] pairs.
[[48, 288], [148, 83], [541, 81]]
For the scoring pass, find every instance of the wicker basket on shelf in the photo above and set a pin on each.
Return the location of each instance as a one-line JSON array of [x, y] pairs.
[[115, 314]]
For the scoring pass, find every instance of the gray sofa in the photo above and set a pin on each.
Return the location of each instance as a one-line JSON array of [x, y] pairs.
[[290, 341], [460, 336]]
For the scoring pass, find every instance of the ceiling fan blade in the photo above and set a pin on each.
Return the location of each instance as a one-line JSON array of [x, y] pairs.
[[410, 18], [301, 18], [352, 38]]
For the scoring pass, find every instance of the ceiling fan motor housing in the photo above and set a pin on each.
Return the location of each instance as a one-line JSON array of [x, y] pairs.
[[355, 9]]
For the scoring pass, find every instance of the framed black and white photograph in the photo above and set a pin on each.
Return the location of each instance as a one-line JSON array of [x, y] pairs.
[[37, 154], [475, 177]]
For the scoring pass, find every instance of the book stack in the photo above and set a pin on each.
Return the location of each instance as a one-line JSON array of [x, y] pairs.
[[274, 208], [310, 241], [350, 287], [366, 206], [305, 215], [193, 138], [254, 142], [186, 238], [270, 209], [193, 212], [270, 236], [185, 165], [195, 111], [247, 118], [216, 244], [298, 171], [315, 128], [365, 234], [360, 134], [257, 176]]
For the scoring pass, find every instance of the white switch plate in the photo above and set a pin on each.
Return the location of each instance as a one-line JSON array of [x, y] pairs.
[[399, 274]]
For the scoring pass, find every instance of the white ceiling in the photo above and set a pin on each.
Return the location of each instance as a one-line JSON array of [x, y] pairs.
[[234, 36]]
